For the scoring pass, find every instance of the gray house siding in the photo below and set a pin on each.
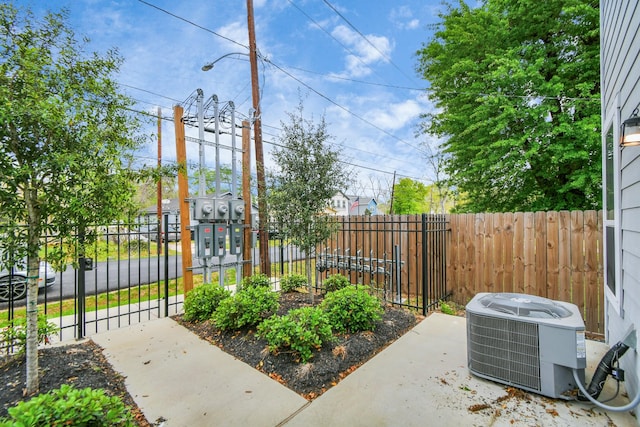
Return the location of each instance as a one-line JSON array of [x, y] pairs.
[[620, 87]]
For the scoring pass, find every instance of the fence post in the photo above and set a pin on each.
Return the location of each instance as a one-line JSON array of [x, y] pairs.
[[425, 278], [80, 315], [166, 262]]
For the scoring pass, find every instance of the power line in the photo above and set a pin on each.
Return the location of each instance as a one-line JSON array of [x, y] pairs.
[[193, 23], [367, 40], [345, 108], [329, 34]]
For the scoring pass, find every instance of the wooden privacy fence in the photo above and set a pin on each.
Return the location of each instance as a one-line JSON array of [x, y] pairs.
[[557, 255]]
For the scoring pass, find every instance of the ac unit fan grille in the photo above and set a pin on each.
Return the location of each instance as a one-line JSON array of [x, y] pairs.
[[504, 349]]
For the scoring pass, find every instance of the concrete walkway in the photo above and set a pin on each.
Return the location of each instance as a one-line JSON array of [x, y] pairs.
[[179, 380]]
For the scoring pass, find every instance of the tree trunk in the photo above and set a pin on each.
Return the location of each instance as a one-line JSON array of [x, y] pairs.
[[33, 271], [307, 264], [33, 382]]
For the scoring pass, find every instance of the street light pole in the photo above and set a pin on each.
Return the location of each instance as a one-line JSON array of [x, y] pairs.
[[263, 236]]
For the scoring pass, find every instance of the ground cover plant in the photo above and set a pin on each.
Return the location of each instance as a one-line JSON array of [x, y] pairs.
[[303, 362], [308, 347]]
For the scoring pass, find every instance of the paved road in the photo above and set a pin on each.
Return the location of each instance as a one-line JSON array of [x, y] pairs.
[[114, 274], [124, 273]]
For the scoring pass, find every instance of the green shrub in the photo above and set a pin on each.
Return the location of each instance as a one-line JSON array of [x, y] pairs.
[[14, 332], [335, 282], [301, 330], [248, 307], [202, 301], [70, 406], [255, 281], [352, 309], [291, 282]]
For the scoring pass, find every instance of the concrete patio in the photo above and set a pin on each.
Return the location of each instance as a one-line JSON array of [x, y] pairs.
[[420, 380]]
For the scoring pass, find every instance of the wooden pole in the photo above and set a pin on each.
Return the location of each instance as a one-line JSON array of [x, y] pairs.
[[183, 197], [263, 216], [247, 269]]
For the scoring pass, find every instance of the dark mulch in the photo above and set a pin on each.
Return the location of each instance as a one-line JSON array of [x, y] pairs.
[[81, 365], [329, 364], [84, 365]]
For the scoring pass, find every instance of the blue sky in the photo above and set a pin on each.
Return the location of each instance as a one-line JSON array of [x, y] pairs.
[[352, 61]]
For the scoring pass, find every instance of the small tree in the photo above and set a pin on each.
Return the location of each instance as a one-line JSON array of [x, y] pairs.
[[307, 176], [65, 132]]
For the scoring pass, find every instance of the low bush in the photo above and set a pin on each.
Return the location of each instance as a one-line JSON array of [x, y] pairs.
[[352, 309], [14, 332], [291, 282], [301, 330], [249, 306], [202, 301], [257, 280], [68, 406], [335, 282]]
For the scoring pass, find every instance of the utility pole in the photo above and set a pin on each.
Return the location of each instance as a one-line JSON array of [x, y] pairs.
[[159, 195], [247, 269], [263, 215], [183, 196]]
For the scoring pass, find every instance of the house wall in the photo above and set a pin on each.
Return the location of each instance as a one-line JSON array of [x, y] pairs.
[[340, 203], [620, 86]]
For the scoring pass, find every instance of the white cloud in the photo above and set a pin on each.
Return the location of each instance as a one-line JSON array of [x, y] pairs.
[[395, 116], [402, 17], [364, 53]]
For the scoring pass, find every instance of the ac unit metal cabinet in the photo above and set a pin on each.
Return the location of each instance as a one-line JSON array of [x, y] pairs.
[[526, 341]]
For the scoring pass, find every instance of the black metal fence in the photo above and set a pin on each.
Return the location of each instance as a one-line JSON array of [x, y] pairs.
[[131, 272], [402, 257], [127, 275]]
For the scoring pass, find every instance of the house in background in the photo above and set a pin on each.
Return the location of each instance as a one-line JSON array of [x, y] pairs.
[[359, 205], [620, 89], [343, 205], [339, 204]]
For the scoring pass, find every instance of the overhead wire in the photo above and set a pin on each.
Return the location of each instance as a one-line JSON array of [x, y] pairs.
[[355, 55], [367, 40], [193, 23]]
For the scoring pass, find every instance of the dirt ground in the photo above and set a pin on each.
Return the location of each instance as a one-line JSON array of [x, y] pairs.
[[84, 365]]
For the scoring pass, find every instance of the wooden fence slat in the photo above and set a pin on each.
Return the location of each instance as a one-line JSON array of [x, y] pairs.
[[508, 259], [564, 256], [497, 250], [540, 219], [529, 254], [577, 259], [518, 252], [469, 255], [591, 271], [488, 278], [552, 256]]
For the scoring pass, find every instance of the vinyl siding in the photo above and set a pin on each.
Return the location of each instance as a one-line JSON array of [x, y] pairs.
[[620, 88]]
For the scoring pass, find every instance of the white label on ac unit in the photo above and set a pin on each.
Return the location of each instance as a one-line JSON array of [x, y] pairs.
[[581, 345]]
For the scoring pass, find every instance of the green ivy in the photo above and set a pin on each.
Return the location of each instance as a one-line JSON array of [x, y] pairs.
[[352, 309], [291, 282], [68, 406], [202, 301], [249, 306], [335, 282], [301, 330]]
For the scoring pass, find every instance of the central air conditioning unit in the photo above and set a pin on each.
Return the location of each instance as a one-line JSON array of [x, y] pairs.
[[526, 341]]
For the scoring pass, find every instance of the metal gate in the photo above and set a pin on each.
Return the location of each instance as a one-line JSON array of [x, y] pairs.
[[402, 257]]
